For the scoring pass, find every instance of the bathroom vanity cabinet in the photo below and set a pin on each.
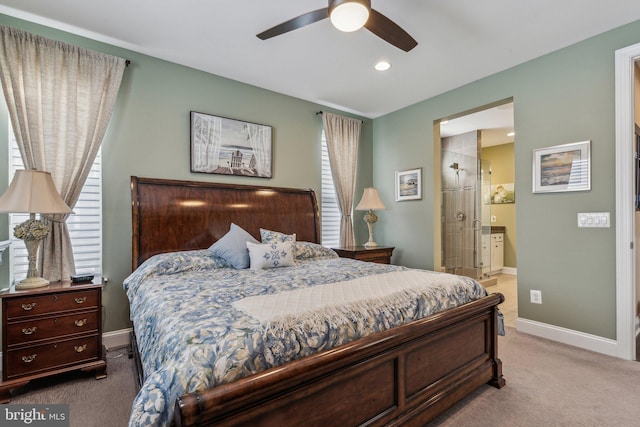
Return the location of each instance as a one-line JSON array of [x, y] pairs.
[[497, 253]]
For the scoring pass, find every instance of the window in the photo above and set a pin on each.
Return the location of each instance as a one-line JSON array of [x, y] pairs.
[[85, 224], [330, 210]]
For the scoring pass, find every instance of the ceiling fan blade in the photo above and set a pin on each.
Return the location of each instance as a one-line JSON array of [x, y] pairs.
[[389, 31], [295, 23]]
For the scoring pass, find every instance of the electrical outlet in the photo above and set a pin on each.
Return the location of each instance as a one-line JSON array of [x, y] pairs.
[[493, 218], [536, 296]]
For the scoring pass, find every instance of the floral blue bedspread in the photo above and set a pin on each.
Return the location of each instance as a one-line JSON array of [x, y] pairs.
[[191, 338]]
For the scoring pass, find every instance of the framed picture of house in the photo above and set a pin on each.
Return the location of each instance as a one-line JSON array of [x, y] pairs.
[[564, 167], [409, 185], [220, 145]]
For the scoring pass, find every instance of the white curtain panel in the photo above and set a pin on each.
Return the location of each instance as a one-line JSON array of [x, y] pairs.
[[343, 138], [60, 99]]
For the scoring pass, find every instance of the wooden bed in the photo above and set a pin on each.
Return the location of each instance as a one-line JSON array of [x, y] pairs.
[[404, 376]]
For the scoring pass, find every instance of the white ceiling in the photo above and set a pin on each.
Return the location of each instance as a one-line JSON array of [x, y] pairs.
[[460, 41]]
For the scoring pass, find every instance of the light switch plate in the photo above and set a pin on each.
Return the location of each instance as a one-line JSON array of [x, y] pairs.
[[594, 220]]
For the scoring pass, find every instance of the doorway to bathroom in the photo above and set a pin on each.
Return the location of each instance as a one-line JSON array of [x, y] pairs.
[[476, 209]]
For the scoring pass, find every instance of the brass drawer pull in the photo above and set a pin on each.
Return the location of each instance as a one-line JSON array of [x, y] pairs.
[[29, 331], [30, 306], [81, 300], [81, 322], [80, 348], [29, 359]]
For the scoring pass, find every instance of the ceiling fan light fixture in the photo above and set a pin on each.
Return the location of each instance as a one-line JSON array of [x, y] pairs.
[[349, 15]]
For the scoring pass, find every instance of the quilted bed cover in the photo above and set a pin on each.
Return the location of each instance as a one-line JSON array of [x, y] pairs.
[[192, 337]]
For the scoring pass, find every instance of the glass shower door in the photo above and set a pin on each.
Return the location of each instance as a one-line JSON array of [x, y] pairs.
[[466, 215]]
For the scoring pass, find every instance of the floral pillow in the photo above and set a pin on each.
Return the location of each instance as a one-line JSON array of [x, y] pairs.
[[270, 255], [173, 263], [303, 250], [268, 236]]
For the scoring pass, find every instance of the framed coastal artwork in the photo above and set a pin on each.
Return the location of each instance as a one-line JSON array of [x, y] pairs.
[[564, 167], [409, 185], [220, 145]]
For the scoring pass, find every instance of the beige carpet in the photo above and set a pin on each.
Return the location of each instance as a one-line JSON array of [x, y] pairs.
[[548, 384], [551, 384]]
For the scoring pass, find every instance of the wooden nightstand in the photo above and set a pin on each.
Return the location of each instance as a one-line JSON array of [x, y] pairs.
[[50, 330], [380, 254]]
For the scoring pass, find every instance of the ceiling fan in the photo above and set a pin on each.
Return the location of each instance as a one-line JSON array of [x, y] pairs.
[[349, 15]]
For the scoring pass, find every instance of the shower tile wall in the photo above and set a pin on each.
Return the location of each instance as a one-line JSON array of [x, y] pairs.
[[459, 185]]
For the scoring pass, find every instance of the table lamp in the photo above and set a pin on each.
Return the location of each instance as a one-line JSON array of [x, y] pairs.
[[32, 192], [370, 201]]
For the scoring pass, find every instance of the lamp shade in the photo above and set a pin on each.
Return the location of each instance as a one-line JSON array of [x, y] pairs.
[[33, 191], [370, 200], [349, 15]]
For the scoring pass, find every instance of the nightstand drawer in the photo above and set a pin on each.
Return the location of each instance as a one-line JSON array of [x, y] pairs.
[[31, 331], [381, 258], [31, 360], [51, 303]]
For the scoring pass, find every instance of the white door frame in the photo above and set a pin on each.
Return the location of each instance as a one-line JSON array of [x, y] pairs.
[[625, 210]]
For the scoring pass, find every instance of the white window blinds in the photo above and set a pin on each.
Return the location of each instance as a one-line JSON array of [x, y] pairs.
[[330, 210], [85, 224]]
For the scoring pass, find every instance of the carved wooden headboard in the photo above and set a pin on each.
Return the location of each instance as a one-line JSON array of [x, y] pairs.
[[170, 215]]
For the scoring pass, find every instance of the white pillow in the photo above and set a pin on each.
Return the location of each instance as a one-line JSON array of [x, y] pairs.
[[270, 255]]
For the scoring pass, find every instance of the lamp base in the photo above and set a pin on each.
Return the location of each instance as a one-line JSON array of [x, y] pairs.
[[370, 218], [32, 283]]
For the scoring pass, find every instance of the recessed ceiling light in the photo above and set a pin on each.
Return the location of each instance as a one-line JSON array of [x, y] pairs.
[[383, 66]]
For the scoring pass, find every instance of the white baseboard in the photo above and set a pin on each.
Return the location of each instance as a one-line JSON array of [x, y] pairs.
[[568, 336], [510, 270], [116, 339]]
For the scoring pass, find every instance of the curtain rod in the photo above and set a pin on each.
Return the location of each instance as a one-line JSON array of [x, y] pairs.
[[320, 113], [127, 63]]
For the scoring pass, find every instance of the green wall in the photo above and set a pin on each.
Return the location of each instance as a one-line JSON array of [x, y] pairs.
[[503, 172], [149, 136], [566, 96]]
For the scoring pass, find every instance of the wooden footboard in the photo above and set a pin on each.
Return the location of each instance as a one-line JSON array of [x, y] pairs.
[[405, 376]]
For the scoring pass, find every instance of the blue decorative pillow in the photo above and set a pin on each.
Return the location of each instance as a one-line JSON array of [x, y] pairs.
[[270, 255], [232, 247]]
